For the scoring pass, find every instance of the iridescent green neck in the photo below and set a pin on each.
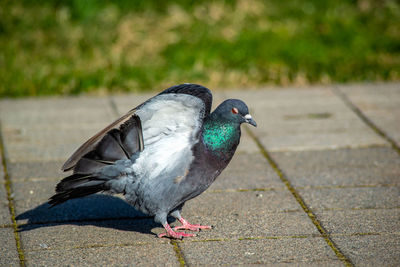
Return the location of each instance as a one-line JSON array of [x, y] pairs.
[[220, 136]]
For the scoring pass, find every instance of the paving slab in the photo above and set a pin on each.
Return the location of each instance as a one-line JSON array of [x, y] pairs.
[[244, 203], [36, 171], [124, 102], [360, 221], [5, 218], [247, 144], [8, 249], [90, 234], [40, 144], [137, 255], [50, 128], [261, 251], [342, 167], [45, 142], [30, 194], [351, 191], [380, 103], [34, 112], [54, 136], [237, 226], [247, 171], [248, 214], [305, 119], [35, 153], [352, 198], [371, 250]]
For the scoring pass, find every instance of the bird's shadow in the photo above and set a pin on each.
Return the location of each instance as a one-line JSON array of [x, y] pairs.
[[97, 210]]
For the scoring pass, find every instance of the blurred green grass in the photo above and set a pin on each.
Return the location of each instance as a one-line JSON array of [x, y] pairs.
[[74, 46]]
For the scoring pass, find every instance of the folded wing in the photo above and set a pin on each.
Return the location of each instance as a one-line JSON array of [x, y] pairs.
[[155, 139], [90, 144]]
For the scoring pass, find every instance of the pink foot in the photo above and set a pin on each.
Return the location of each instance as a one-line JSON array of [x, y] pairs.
[[192, 227], [172, 234]]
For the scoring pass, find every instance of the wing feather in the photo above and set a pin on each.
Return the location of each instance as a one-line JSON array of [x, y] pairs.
[[93, 141]]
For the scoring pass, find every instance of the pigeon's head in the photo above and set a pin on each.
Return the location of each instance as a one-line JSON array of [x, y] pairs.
[[235, 110]]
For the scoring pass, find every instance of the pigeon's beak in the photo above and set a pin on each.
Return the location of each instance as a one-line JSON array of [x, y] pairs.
[[250, 120]]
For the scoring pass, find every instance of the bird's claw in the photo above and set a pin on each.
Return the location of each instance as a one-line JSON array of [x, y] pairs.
[[171, 233]]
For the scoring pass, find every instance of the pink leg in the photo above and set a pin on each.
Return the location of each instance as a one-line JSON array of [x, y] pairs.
[[172, 234], [192, 227]]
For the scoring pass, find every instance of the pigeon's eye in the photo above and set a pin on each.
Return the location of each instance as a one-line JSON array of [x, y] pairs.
[[235, 111]]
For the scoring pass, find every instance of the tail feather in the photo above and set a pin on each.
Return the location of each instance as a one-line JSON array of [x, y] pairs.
[[78, 180], [88, 165], [73, 193], [76, 186]]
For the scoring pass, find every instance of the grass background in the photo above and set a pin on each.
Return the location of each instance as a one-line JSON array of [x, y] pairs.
[[72, 46]]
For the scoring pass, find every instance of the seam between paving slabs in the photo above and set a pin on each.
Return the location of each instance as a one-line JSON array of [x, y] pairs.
[[179, 253], [300, 200], [364, 118], [11, 207], [177, 249]]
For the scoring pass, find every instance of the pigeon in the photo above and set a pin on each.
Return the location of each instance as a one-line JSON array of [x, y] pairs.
[[159, 155]]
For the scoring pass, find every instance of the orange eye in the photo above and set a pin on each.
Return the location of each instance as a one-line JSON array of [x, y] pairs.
[[235, 111]]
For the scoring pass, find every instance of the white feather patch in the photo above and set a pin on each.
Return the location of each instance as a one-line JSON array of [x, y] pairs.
[[170, 125]]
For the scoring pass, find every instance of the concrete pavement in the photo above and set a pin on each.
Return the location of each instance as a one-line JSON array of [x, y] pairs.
[[317, 183]]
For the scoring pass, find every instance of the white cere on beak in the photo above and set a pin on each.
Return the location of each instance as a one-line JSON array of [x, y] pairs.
[[248, 117]]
